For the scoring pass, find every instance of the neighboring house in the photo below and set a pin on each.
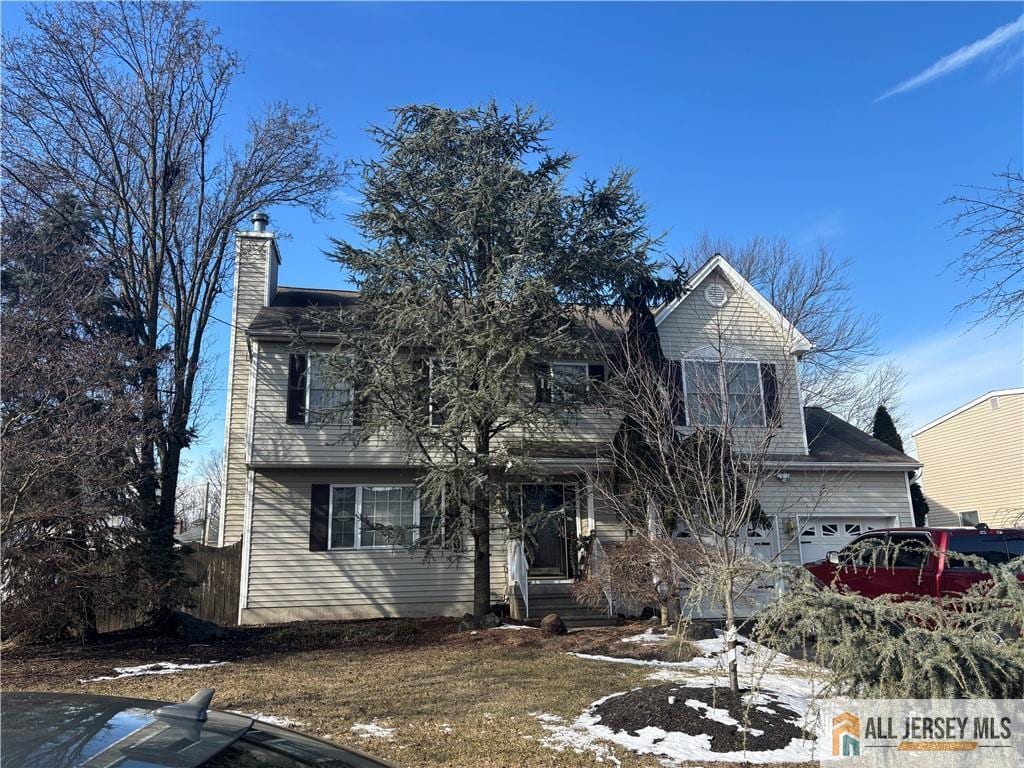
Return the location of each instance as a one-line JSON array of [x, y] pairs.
[[295, 490], [974, 462]]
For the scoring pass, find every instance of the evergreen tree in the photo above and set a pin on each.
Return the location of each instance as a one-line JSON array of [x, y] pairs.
[[477, 266], [71, 406], [883, 428]]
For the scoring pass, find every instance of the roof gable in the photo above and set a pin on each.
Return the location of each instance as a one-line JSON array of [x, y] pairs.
[[967, 406], [799, 344]]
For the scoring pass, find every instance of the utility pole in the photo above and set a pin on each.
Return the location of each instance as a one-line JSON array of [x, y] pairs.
[[206, 513]]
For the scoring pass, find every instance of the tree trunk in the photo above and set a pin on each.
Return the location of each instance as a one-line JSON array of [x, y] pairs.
[[482, 555], [730, 641], [665, 618]]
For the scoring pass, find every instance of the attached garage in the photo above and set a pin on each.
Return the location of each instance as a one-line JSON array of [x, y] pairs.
[[821, 535]]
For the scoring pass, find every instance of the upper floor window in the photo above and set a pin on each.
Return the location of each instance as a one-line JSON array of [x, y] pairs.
[[316, 394], [724, 393], [567, 382]]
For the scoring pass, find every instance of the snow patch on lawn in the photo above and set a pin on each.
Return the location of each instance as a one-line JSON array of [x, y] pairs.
[[513, 626], [372, 730], [774, 677], [647, 636], [278, 720], [562, 737], [634, 662], [156, 668]]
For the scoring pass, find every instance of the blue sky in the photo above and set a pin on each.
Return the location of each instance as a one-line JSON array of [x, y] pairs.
[[740, 119]]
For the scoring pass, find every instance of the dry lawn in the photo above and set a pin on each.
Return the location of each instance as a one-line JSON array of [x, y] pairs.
[[452, 698]]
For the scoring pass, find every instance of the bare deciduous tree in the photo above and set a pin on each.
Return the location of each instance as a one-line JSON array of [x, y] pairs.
[[121, 104], [993, 218], [813, 292], [691, 493]]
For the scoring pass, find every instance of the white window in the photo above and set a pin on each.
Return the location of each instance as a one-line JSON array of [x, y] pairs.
[[853, 529], [364, 516], [829, 529], [809, 532], [970, 518], [569, 382], [716, 389], [328, 399]]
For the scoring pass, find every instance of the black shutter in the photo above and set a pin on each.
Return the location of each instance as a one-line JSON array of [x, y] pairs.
[[360, 406], [319, 509], [595, 372], [770, 385], [542, 382], [677, 395], [296, 412], [421, 379]]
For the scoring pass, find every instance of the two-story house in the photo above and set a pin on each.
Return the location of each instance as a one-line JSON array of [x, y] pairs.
[[296, 492]]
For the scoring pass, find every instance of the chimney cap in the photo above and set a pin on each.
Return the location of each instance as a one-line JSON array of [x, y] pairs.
[[260, 221]]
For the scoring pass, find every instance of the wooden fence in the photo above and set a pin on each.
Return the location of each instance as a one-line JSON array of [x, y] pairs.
[[215, 573]]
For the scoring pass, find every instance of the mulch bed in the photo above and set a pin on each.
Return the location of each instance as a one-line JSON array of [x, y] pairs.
[[649, 707]]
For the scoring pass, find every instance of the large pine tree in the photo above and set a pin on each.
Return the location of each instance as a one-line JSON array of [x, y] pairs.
[[884, 428], [476, 266]]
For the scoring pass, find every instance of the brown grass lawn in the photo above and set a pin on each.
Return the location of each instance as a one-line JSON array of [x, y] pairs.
[[452, 698]]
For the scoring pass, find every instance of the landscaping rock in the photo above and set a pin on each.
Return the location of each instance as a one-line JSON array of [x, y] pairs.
[[552, 624], [699, 630], [193, 630]]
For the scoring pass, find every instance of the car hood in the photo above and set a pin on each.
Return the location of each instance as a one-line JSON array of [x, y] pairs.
[[65, 730]]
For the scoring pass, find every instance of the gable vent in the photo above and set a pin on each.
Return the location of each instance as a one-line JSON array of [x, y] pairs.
[[994, 402], [715, 295]]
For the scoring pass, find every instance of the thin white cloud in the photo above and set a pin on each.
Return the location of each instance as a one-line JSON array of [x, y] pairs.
[[960, 57], [951, 368]]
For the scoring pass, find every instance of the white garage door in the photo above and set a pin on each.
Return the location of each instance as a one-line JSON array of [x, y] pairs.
[[821, 535]]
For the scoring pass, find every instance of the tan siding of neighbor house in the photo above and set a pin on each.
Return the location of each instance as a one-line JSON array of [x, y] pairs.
[[255, 254], [974, 460], [742, 327], [833, 493]]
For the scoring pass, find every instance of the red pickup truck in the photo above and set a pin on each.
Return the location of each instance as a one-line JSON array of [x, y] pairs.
[[918, 561]]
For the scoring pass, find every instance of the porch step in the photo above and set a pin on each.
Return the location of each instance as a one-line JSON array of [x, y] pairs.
[[556, 598]]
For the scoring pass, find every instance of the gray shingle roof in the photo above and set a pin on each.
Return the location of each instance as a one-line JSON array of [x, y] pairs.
[[832, 440], [301, 310]]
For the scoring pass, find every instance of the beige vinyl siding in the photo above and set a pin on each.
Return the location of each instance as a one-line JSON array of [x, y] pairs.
[[254, 254], [852, 495], [288, 582], [276, 443], [975, 461], [743, 327]]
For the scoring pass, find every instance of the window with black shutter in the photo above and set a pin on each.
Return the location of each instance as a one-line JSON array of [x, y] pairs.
[[296, 409], [542, 382]]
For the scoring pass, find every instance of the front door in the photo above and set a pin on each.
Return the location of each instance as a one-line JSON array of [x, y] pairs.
[[547, 517]]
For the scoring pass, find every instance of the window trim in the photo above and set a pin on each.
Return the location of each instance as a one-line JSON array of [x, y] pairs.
[[357, 525], [723, 390]]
